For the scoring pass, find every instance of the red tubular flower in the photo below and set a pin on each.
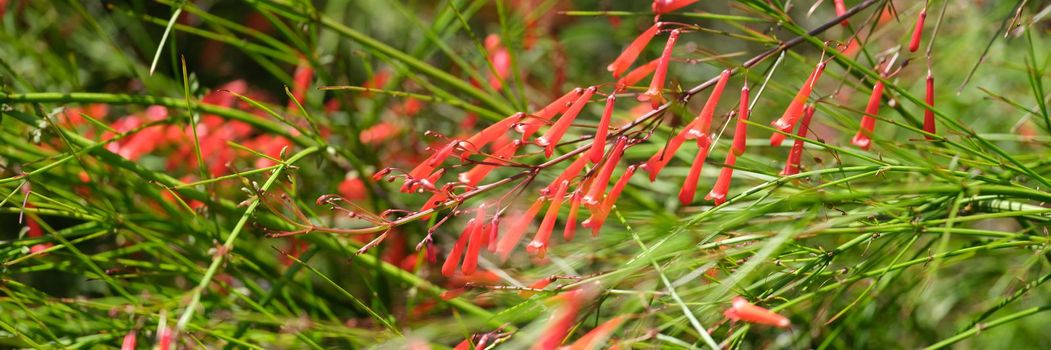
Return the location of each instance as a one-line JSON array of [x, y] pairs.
[[661, 7], [660, 159], [129, 341], [796, 154], [426, 167], [598, 186], [722, 184], [598, 336], [378, 133], [598, 145], [795, 109], [917, 33], [841, 9], [689, 186], [742, 310], [571, 171], [543, 235], [478, 172], [562, 320], [657, 83], [475, 143], [451, 261], [741, 129], [599, 213], [557, 130], [928, 114], [437, 198], [476, 241], [636, 75], [493, 232], [500, 58], [517, 230], [301, 82], [571, 220], [541, 117], [701, 127], [868, 122], [164, 338], [631, 53]]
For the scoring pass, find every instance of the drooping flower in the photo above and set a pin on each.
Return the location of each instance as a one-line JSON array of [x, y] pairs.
[[475, 143], [742, 310], [478, 172], [129, 341], [661, 7], [600, 212], [795, 155], [654, 93], [500, 59], [741, 129], [659, 160], [689, 186], [571, 220], [452, 261], [917, 33], [562, 319], [597, 337], [631, 53], [557, 130], [598, 145], [636, 75], [541, 117], [863, 138], [841, 9], [928, 113], [475, 242], [518, 228], [571, 171], [543, 235], [300, 83], [795, 108], [704, 118], [598, 186], [722, 184]]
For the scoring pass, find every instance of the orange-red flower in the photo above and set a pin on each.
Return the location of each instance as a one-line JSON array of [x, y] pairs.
[[518, 227], [701, 127], [661, 7], [917, 33], [654, 93], [598, 186], [928, 114], [742, 310], [795, 155], [636, 75], [795, 108], [543, 235], [538, 119], [598, 145], [868, 122], [631, 53], [557, 130], [689, 186]]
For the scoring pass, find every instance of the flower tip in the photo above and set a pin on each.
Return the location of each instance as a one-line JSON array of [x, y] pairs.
[[861, 141]]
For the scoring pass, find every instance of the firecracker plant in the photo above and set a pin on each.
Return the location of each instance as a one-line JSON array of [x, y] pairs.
[[524, 174]]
